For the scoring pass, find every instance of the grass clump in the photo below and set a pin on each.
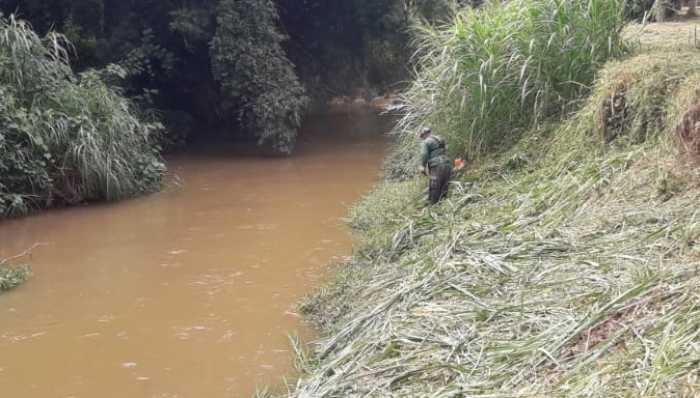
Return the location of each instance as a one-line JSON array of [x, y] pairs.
[[564, 265], [12, 276], [65, 138]]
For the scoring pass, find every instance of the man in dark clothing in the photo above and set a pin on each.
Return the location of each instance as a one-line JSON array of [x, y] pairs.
[[433, 155]]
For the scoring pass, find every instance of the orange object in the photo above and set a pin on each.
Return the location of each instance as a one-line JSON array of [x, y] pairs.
[[458, 162]]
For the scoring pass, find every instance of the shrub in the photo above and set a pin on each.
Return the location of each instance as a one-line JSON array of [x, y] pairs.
[[11, 277], [65, 138], [249, 63]]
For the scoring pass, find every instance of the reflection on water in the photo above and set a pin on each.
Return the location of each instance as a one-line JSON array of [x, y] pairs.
[[188, 292]]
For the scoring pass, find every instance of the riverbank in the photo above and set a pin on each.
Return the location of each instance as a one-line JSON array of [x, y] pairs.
[[566, 266]]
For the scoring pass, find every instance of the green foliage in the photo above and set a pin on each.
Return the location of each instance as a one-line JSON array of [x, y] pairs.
[[166, 51], [12, 276], [433, 10], [497, 71], [340, 46], [179, 126], [144, 59], [248, 61], [147, 61], [65, 138], [193, 23], [172, 64]]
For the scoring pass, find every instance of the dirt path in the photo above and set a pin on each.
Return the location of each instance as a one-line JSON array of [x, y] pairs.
[[682, 32]]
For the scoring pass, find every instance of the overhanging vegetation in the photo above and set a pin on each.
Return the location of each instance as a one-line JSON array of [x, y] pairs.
[[65, 138]]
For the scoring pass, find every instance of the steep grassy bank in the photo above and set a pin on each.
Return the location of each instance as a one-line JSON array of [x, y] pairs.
[[566, 266]]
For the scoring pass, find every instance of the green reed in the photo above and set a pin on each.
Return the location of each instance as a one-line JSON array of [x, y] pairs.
[[496, 71]]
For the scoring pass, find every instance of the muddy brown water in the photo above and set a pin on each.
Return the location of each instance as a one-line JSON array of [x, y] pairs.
[[189, 292]]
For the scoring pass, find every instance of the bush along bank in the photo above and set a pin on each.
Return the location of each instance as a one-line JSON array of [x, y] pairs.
[[492, 74], [65, 138], [563, 266]]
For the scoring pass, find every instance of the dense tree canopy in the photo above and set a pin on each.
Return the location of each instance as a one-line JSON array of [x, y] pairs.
[[201, 62], [240, 66], [255, 73]]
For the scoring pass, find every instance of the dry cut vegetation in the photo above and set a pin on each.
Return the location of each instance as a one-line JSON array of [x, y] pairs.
[[566, 267]]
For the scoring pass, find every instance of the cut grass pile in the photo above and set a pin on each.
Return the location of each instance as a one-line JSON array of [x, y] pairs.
[[567, 267]]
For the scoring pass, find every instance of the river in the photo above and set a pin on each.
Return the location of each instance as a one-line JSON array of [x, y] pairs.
[[189, 292]]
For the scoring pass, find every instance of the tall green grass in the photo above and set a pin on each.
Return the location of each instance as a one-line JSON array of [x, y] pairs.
[[496, 71], [65, 138]]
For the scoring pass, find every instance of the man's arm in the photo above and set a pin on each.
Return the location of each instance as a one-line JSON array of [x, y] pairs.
[[424, 152]]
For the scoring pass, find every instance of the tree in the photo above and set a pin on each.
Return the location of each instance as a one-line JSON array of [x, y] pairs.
[[250, 64], [254, 73]]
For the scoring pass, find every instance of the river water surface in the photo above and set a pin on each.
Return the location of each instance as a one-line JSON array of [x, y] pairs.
[[189, 292]]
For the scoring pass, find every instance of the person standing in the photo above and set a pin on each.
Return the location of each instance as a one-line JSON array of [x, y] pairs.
[[433, 154]]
